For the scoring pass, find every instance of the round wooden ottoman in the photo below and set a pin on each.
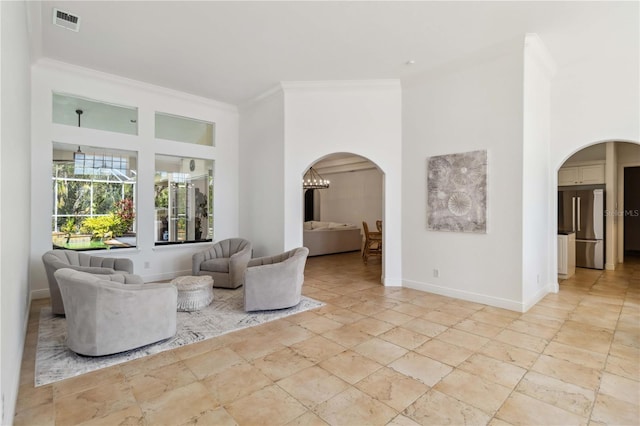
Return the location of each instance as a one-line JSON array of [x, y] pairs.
[[194, 293]]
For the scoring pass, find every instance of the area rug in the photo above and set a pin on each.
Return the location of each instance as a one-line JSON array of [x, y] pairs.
[[54, 361]]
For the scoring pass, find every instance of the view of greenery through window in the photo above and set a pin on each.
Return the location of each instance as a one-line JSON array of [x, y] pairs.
[[94, 189], [183, 195], [93, 198]]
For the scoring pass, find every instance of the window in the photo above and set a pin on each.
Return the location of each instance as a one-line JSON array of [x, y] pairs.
[[93, 197], [80, 112], [182, 129], [183, 200]]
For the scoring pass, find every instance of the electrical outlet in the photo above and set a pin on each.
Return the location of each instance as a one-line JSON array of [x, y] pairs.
[[146, 265], [436, 273]]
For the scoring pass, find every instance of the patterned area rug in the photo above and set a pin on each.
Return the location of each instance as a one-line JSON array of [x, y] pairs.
[[55, 362]]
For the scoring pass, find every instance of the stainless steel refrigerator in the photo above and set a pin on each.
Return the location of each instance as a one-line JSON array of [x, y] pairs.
[[582, 211]]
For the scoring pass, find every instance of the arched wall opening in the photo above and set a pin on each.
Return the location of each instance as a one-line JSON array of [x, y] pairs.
[[362, 118], [355, 195], [614, 156]]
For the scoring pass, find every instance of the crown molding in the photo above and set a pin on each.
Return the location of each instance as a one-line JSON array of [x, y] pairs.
[[275, 90], [325, 85], [51, 64]]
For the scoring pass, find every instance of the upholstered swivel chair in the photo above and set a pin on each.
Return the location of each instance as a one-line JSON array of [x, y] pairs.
[[57, 259], [372, 243], [226, 262], [106, 317], [275, 282]]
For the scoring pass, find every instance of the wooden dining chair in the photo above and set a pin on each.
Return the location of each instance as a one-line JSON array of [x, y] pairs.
[[372, 243]]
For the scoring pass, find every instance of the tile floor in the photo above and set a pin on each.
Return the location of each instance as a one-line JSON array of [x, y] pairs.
[[376, 355]]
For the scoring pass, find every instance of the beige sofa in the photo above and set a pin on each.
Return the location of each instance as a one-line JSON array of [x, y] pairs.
[[331, 237]]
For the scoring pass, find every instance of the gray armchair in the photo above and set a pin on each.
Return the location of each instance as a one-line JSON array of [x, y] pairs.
[[226, 262], [57, 259], [275, 282], [106, 317]]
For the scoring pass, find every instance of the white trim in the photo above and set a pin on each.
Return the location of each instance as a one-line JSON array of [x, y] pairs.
[[549, 288], [275, 90], [290, 86], [391, 282], [51, 64], [512, 305], [42, 293]]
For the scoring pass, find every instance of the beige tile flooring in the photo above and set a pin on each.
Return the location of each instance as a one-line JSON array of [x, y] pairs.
[[376, 355]]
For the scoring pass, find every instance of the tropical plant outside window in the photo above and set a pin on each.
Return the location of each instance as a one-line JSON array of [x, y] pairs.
[[183, 200], [94, 192]]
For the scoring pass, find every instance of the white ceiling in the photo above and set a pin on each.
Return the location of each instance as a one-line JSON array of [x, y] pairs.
[[234, 51]]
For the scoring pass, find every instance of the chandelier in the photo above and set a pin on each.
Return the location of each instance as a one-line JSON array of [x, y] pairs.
[[313, 180]]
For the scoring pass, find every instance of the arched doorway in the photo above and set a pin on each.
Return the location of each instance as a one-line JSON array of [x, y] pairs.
[[595, 167], [355, 195]]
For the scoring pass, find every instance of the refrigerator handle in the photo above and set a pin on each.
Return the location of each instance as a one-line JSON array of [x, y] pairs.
[[573, 214], [578, 214]]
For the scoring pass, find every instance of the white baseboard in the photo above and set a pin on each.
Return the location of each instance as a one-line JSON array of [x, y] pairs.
[[391, 282], [549, 288], [498, 302], [512, 305], [43, 293], [610, 266]]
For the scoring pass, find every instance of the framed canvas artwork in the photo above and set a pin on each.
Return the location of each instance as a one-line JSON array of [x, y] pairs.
[[457, 192]]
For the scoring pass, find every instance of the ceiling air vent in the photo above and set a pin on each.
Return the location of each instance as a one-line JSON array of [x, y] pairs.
[[66, 20]]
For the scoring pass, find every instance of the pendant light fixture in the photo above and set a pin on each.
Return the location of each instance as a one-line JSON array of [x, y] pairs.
[[78, 155]]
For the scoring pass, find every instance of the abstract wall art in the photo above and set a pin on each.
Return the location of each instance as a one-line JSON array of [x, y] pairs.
[[457, 192]]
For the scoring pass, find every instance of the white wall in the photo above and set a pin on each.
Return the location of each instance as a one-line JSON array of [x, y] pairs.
[[475, 106], [14, 191], [262, 173], [164, 262], [353, 197], [538, 275], [595, 98], [362, 118]]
